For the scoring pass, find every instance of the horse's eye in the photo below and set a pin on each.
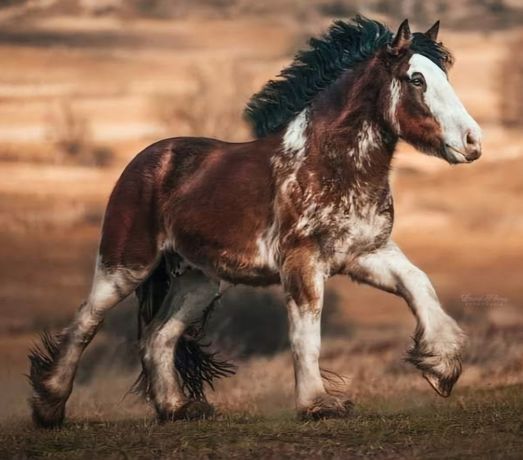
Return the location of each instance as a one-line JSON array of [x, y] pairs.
[[417, 80]]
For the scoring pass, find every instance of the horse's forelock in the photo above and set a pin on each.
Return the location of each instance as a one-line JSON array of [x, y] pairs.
[[435, 51]]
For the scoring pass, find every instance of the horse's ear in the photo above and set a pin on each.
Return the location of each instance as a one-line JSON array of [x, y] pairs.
[[402, 39], [432, 33]]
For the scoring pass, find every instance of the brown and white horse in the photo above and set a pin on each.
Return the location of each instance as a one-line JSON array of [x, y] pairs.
[[308, 199]]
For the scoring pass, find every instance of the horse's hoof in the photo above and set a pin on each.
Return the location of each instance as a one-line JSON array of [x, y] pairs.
[[440, 367], [441, 375], [327, 406], [442, 386], [47, 415], [191, 410]]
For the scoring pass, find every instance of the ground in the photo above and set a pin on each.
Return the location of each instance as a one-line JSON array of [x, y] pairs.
[[483, 423], [127, 83]]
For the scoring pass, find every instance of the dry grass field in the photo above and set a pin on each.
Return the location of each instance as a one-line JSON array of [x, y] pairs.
[[80, 95]]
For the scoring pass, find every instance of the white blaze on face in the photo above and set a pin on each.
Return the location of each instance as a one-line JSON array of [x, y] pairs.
[[445, 106]]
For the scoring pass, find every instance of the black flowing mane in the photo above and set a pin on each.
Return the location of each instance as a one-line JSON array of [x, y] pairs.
[[343, 46]]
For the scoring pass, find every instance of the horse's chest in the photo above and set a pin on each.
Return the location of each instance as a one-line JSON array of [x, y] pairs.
[[363, 230], [344, 226]]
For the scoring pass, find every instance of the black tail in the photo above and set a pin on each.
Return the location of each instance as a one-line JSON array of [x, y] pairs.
[[193, 361]]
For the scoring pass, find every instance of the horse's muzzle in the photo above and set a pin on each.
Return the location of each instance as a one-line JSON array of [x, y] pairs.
[[467, 155], [473, 154], [472, 147]]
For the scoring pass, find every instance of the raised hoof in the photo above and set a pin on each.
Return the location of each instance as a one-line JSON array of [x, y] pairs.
[[327, 407], [47, 415], [441, 386], [439, 360], [191, 410]]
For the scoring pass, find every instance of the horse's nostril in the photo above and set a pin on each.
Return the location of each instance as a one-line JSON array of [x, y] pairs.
[[472, 146], [474, 154], [471, 140]]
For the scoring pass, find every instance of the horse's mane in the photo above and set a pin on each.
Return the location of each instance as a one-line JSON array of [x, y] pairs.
[[343, 46]]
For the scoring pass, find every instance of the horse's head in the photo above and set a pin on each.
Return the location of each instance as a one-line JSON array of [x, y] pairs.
[[421, 104]]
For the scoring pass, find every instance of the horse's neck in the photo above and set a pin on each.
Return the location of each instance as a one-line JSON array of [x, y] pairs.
[[341, 142], [353, 158], [360, 150]]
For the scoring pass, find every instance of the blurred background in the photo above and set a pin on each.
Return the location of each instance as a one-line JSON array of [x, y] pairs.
[[86, 84]]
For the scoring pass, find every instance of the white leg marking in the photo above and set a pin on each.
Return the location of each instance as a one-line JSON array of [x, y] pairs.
[[168, 394], [109, 287], [439, 335], [305, 338], [190, 295]]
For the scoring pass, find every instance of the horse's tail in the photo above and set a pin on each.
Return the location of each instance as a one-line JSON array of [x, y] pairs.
[[194, 362]]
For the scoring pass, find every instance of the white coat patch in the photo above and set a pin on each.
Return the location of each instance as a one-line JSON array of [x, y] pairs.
[[395, 93], [295, 136]]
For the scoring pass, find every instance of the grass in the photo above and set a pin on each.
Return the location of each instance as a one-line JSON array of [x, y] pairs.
[[473, 424]]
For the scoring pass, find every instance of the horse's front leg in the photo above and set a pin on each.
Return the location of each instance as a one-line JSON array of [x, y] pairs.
[[303, 280], [438, 340]]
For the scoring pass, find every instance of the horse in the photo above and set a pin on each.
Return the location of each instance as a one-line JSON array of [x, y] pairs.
[[306, 199]]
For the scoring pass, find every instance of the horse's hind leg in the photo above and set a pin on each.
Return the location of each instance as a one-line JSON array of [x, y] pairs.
[[190, 294], [53, 366]]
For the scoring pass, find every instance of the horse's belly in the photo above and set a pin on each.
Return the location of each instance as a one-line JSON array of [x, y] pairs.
[[243, 261]]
